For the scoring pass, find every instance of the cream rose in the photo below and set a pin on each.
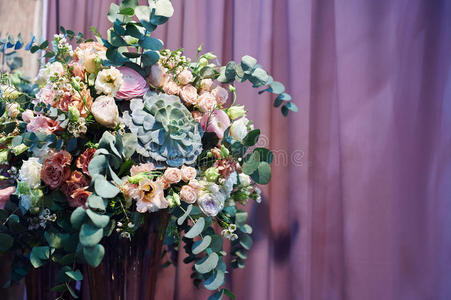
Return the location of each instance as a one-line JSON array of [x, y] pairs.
[[188, 173], [238, 130], [30, 172], [188, 194], [185, 77], [206, 102], [170, 86], [189, 94], [172, 175], [105, 111], [108, 81], [220, 94]]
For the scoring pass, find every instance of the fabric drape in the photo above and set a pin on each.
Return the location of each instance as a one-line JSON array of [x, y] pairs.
[[359, 207]]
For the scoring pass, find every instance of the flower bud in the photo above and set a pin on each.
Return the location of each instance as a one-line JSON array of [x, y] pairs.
[[74, 113], [13, 110], [137, 178], [3, 156], [19, 149], [203, 62], [212, 174], [209, 55], [224, 151], [235, 112]]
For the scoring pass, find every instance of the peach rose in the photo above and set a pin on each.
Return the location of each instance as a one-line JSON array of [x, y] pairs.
[[46, 95], [188, 173], [5, 195], [150, 196], [195, 185], [84, 159], [170, 86], [220, 94], [189, 94], [172, 175], [188, 194], [206, 102], [79, 197], [185, 77], [206, 85], [148, 167], [157, 76], [105, 111]]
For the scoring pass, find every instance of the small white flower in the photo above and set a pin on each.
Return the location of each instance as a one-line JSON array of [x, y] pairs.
[[245, 179], [30, 172], [232, 227], [108, 81], [130, 225]]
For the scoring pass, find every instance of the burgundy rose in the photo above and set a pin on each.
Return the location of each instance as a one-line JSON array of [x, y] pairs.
[[84, 159], [56, 169], [79, 197]]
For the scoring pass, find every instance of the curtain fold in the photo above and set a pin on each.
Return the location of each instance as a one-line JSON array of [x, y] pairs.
[[360, 202]]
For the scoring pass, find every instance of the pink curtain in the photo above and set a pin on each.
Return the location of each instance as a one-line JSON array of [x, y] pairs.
[[359, 207]]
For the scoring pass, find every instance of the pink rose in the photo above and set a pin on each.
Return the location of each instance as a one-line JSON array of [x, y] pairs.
[[27, 115], [197, 115], [172, 175], [206, 102], [218, 121], [195, 185], [46, 95], [148, 167], [188, 194], [133, 85], [185, 77], [188, 173], [157, 75], [170, 86], [206, 85], [5, 194], [189, 94], [220, 94], [43, 124]]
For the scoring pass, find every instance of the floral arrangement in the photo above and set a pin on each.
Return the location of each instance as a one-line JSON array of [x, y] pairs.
[[119, 129]]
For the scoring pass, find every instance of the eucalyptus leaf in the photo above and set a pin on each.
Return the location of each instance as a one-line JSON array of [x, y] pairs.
[[104, 188], [201, 245], [207, 264], [77, 217], [99, 220], [75, 275], [96, 202], [196, 229], [90, 235], [6, 242], [250, 165], [215, 280], [94, 255], [185, 215]]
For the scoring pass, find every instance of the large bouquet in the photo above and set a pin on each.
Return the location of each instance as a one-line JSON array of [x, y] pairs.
[[120, 129]]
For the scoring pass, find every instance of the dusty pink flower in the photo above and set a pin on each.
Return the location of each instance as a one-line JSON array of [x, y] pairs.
[[195, 185], [56, 169], [206, 85], [220, 94], [76, 181], [129, 190], [79, 197], [105, 111], [218, 121], [46, 95], [148, 167], [197, 115], [206, 102], [189, 94], [84, 159], [27, 115], [157, 75], [170, 86], [172, 175], [185, 77], [5, 194], [77, 69], [188, 173], [188, 194], [43, 124], [133, 85]]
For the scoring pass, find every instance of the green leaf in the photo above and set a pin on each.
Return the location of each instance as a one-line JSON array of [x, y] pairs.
[[252, 137], [55, 240], [149, 58], [38, 254], [216, 296], [77, 217], [142, 12], [44, 45], [94, 255], [276, 88], [265, 154], [196, 229], [130, 142], [207, 264], [241, 217], [259, 77], [131, 54], [250, 165], [117, 40], [263, 173], [75, 275], [291, 106], [284, 97], [215, 280], [229, 293], [90, 235], [96, 202], [71, 291], [201, 245], [129, 3], [104, 188], [133, 31], [216, 243], [127, 11], [230, 72], [185, 215], [6, 242], [163, 11], [150, 43], [248, 63], [245, 241], [246, 229], [99, 220], [112, 13]]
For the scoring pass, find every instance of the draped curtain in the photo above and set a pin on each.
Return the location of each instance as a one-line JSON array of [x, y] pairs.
[[359, 206]]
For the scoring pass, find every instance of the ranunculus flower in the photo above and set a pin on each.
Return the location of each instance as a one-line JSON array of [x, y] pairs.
[[56, 169], [220, 94], [150, 196], [105, 111], [147, 167], [27, 115], [30, 172], [206, 102], [185, 77], [157, 75], [133, 85], [76, 180], [5, 194], [170, 86], [82, 102], [238, 130], [172, 175], [216, 122], [84, 159], [188, 194], [188, 94], [109, 81], [206, 85], [43, 124], [188, 173], [79, 197]]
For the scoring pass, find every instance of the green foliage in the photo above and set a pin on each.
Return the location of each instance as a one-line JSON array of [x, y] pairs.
[[6, 242], [196, 229]]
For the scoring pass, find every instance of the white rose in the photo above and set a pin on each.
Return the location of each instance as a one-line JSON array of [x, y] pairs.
[[189, 94], [105, 111], [209, 204], [245, 179], [50, 69], [30, 172], [108, 81], [238, 130]]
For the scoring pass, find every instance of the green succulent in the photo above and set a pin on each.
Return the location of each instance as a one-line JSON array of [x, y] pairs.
[[166, 130]]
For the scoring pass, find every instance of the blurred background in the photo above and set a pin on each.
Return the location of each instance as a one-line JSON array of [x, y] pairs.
[[359, 207]]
